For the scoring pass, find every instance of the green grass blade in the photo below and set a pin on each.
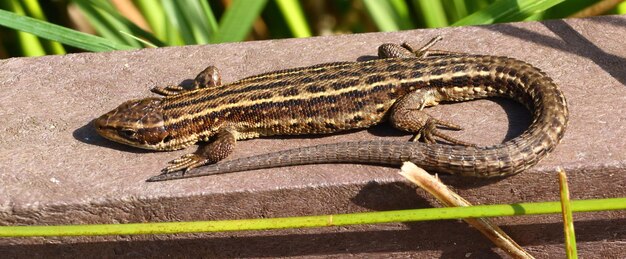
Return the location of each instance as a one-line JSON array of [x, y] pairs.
[[179, 26], [58, 33], [147, 43], [455, 9], [33, 9], [196, 20], [432, 12], [210, 17], [506, 11], [292, 11], [122, 24], [191, 20], [153, 12], [476, 5], [237, 21], [174, 36], [390, 15], [621, 8], [402, 14], [112, 24], [29, 44], [104, 24], [382, 14], [314, 221]]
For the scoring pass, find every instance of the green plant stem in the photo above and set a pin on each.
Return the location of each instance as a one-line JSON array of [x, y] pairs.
[[313, 221], [568, 219]]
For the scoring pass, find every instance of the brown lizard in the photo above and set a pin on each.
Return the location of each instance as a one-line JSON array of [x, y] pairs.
[[334, 97]]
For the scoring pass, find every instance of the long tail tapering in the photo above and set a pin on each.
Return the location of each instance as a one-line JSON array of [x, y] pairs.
[[374, 152]]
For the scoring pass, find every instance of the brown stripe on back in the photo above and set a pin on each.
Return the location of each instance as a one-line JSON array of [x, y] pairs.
[[265, 95], [439, 71], [342, 84], [291, 71], [346, 103], [292, 91], [396, 67], [315, 88], [349, 73], [304, 80], [267, 84], [374, 79], [209, 100]]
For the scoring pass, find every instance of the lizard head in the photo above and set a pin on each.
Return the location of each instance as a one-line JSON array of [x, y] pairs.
[[137, 123]]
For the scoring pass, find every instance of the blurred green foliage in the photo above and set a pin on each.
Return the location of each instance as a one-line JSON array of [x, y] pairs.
[[35, 28]]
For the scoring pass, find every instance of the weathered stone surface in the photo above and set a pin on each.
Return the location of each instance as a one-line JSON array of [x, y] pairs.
[[56, 170]]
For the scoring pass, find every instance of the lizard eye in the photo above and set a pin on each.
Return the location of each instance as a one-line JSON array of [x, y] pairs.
[[128, 133]]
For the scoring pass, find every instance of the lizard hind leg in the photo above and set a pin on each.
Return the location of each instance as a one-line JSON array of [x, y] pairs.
[[406, 50], [408, 115], [209, 78]]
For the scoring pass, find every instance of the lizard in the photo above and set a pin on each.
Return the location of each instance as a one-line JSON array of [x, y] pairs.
[[339, 96]]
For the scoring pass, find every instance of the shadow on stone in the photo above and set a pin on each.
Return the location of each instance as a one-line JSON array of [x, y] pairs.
[[573, 42], [366, 58], [518, 117], [389, 196]]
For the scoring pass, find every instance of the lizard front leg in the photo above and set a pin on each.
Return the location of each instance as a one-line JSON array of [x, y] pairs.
[[210, 153], [209, 78]]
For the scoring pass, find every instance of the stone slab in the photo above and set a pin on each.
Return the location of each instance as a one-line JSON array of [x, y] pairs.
[[56, 170]]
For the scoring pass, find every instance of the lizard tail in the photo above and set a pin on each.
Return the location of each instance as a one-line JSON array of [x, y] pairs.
[[363, 152], [454, 159]]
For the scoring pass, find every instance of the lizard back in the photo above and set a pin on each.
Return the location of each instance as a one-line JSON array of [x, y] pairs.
[[328, 98]]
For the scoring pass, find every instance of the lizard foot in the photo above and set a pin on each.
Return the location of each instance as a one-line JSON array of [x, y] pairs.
[[407, 114], [186, 163], [430, 131], [209, 78], [168, 90]]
